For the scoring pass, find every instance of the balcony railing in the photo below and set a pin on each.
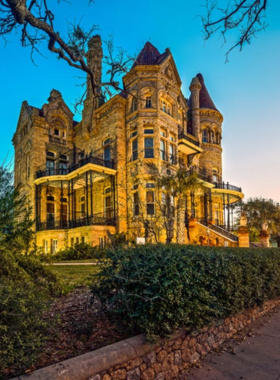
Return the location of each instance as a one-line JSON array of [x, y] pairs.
[[219, 229], [227, 186], [101, 219], [186, 137], [47, 171]]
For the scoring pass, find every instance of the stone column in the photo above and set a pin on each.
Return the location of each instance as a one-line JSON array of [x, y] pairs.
[[195, 87], [243, 232], [264, 238]]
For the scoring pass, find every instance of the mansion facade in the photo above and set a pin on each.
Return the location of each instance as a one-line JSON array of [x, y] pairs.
[[91, 181]]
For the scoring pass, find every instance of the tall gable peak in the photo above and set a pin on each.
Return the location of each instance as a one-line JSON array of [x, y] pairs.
[[205, 100], [149, 55]]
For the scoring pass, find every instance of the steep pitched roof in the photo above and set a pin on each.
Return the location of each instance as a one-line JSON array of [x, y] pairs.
[[205, 100], [149, 55]]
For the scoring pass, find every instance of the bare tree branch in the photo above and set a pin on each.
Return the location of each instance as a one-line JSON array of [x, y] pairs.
[[244, 16]]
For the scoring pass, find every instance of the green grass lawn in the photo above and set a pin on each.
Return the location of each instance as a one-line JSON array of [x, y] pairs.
[[72, 276]]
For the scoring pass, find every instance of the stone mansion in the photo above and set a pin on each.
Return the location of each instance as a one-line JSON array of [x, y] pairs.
[[90, 181]]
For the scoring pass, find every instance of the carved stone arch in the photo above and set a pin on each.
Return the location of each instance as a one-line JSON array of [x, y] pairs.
[[165, 97], [147, 92]]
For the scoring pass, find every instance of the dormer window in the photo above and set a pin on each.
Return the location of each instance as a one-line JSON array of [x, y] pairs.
[[148, 102]]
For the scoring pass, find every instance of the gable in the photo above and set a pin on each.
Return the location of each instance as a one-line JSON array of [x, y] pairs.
[[169, 70]]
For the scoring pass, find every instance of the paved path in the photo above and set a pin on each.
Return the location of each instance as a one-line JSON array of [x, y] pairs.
[[255, 358], [74, 264]]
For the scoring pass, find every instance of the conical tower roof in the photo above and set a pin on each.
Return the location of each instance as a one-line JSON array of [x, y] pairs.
[[205, 100], [149, 55]]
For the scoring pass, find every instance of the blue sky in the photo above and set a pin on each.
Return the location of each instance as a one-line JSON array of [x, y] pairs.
[[245, 90]]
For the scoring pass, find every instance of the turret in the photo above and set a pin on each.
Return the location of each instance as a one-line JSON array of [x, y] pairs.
[[195, 88]]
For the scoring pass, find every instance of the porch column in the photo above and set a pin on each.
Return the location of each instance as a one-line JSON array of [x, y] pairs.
[[192, 205], [91, 196], [210, 206], [224, 210], [228, 215], [69, 203], [205, 207], [61, 204], [87, 197]]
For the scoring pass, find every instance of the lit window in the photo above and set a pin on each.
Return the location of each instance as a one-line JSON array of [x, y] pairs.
[[149, 148], [150, 202], [134, 150], [108, 207], [54, 246], [148, 102], [135, 204]]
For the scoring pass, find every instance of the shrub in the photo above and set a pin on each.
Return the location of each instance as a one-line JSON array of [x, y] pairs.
[[25, 290], [80, 251], [157, 288]]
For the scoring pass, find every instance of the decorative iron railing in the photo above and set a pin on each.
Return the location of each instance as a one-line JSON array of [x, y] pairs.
[[227, 186], [186, 137], [57, 140], [101, 219], [47, 171], [219, 230]]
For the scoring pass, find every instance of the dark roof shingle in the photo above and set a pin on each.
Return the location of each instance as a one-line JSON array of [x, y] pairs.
[[205, 100], [149, 55]]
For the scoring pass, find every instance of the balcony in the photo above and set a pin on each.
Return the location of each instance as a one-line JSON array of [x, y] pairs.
[[188, 144], [47, 171], [101, 219], [227, 186]]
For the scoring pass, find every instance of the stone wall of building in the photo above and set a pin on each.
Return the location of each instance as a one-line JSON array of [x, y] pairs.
[[134, 359]]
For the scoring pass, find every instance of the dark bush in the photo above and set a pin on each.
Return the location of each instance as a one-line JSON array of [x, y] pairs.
[[25, 290], [157, 288]]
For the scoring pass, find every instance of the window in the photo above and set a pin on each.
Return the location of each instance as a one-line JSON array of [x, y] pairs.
[[135, 204], [77, 240], [217, 217], [101, 242], [172, 154], [46, 246], [107, 150], [133, 134], [150, 202], [215, 176], [134, 150], [54, 246], [50, 154], [62, 167], [134, 105], [163, 133], [107, 190], [82, 206], [166, 107], [81, 155], [108, 207], [148, 102], [64, 134], [56, 132], [162, 150], [148, 131], [72, 242], [27, 165], [163, 106], [172, 138], [50, 215], [83, 239], [149, 148], [150, 185], [50, 167], [204, 136]]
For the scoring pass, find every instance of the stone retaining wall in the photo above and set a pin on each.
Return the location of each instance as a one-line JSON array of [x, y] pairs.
[[133, 359]]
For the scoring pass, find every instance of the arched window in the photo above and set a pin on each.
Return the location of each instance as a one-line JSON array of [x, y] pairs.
[[204, 136], [148, 102]]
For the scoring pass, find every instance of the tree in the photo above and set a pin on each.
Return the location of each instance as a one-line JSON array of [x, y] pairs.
[[15, 222], [245, 16], [35, 20], [260, 211]]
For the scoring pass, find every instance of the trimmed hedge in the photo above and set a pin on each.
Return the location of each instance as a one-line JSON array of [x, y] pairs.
[[158, 288]]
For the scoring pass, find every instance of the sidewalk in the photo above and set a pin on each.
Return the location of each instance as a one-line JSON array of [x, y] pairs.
[[254, 356]]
